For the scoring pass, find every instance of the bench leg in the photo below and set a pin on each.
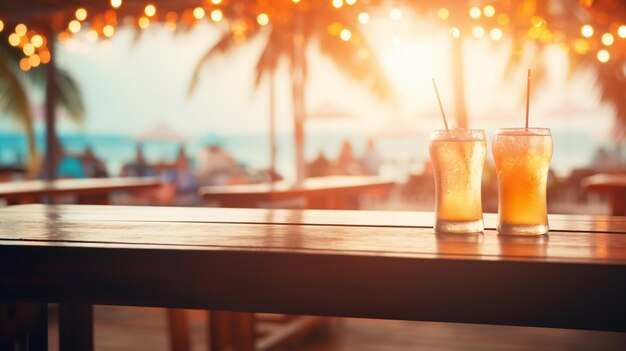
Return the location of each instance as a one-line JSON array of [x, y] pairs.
[[75, 327], [231, 330], [178, 329]]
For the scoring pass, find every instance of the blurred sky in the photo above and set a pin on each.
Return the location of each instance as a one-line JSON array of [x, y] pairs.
[[130, 85]]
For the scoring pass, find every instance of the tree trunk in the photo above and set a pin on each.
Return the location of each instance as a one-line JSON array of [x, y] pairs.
[[459, 83], [51, 142], [299, 113], [272, 131]]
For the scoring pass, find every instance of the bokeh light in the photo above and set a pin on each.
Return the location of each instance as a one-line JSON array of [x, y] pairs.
[[603, 56], [217, 15], [443, 13], [608, 39], [198, 13], [345, 34], [496, 34], [262, 19], [81, 14], [489, 11], [116, 3], [586, 31], [364, 17], [150, 10], [74, 26], [478, 32], [474, 12]]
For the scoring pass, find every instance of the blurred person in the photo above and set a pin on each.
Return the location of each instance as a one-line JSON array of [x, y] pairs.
[[217, 167], [182, 175], [92, 166], [371, 159], [346, 163], [320, 166], [137, 167]]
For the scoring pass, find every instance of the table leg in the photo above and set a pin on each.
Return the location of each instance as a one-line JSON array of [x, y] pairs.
[[618, 203], [178, 329], [75, 327], [38, 335], [231, 330]]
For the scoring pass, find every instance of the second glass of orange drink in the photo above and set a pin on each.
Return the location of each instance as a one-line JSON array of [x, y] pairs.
[[458, 156], [522, 158]]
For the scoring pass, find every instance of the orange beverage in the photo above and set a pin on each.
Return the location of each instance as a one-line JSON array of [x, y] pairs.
[[522, 157], [458, 156]]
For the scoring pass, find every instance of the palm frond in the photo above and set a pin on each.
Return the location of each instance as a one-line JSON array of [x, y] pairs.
[[69, 95], [223, 45]]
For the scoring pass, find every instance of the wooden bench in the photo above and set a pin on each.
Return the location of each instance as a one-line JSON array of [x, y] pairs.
[[386, 265]]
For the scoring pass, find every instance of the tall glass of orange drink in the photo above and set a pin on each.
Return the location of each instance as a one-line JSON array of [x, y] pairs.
[[522, 157], [458, 156]]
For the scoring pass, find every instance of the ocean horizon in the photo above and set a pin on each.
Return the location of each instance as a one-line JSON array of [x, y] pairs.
[[402, 155]]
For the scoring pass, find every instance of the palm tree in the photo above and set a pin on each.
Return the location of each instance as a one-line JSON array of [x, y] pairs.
[[15, 100], [293, 27]]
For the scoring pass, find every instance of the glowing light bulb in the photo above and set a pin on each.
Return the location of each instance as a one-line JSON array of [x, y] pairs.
[[108, 30], [455, 32], [81, 14], [74, 26], [37, 40], [345, 34], [603, 56], [496, 34], [21, 29], [116, 3], [586, 31], [478, 32], [621, 31], [143, 22], [150, 10], [337, 4], [489, 11], [474, 12], [364, 17], [216, 2], [198, 13], [217, 15], [608, 39], [262, 19], [14, 39], [443, 13]]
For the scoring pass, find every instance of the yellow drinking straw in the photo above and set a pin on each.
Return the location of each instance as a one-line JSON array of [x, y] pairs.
[[441, 107], [527, 96]]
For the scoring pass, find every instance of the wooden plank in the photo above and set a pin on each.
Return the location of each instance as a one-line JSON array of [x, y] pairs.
[[14, 191], [409, 219]]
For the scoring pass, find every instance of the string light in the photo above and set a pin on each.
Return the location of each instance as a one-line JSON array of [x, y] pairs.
[[28, 49], [81, 14], [607, 39], [474, 12], [350, 2], [478, 32], [586, 31], [496, 34], [108, 30], [262, 19], [14, 39], [217, 15], [455, 32], [337, 4], [395, 14], [621, 31], [364, 17], [443, 13], [216, 2], [116, 3], [34, 60], [150, 10], [198, 13], [489, 11], [1, 26], [345, 34], [21, 29], [603, 56], [37, 40], [143, 22], [74, 26]]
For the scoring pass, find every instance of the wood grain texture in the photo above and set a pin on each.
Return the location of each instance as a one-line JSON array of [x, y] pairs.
[[566, 279]]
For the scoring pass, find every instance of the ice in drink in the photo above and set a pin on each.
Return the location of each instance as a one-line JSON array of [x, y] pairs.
[[522, 158], [458, 156]]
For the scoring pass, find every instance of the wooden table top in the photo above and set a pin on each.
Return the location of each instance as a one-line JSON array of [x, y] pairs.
[[343, 263], [17, 189], [604, 182], [315, 185]]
